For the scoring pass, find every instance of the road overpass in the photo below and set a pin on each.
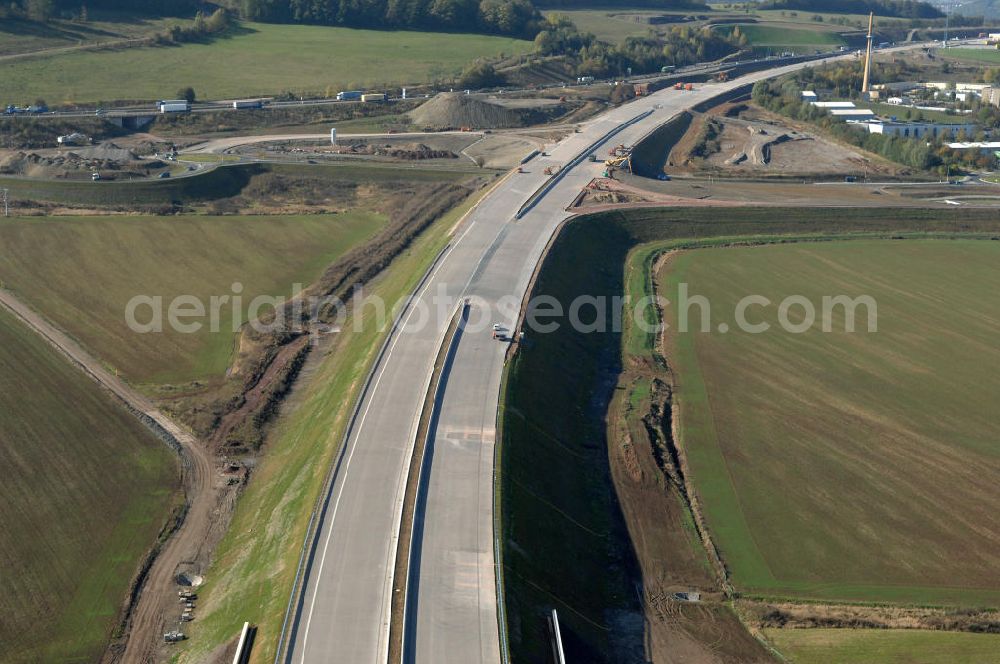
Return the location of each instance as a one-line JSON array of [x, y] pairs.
[[451, 615]]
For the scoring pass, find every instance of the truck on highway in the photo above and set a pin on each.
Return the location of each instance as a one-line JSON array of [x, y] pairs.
[[349, 95], [174, 106], [248, 103], [374, 96]]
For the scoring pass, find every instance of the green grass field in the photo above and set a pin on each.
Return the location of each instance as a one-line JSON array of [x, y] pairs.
[[990, 56], [85, 490], [856, 467], [611, 25], [890, 646], [81, 272], [261, 59], [782, 37], [254, 566]]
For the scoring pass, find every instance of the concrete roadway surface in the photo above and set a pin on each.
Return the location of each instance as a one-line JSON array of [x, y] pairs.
[[219, 145], [451, 606]]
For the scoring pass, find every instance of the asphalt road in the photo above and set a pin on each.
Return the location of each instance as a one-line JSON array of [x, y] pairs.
[[451, 606]]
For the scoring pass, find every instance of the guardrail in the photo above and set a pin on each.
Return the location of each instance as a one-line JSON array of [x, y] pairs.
[[312, 532]]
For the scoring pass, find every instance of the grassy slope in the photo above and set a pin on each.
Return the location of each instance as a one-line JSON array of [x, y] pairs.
[[785, 37], [254, 566], [80, 272], [565, 540], [846, 646], [85, 491], [259, 59], [892, 474]]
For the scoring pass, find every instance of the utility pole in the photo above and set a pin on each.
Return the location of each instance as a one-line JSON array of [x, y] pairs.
[[947, 19]]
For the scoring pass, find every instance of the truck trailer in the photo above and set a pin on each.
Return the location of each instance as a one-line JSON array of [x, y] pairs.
[[373, 97], [349, 95], [248, 103], [174, 106]]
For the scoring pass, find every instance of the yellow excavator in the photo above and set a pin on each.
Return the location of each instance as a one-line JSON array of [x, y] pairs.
[[619, 158]]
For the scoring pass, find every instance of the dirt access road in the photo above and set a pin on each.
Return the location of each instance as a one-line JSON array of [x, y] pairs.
[[146, 615]]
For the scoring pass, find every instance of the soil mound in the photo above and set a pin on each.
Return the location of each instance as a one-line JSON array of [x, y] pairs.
[[453, 110], [107, 151]]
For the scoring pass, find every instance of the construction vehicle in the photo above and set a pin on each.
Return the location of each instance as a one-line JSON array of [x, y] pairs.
[[174, 636], [619, 157]]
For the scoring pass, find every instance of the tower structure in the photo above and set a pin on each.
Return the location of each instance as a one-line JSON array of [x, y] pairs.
[[866, 83]]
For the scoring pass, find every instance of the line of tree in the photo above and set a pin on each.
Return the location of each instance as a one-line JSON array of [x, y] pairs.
[[678, 46], [43, 10], [508, 17], [666, 5], [202, 28], [889, 8]]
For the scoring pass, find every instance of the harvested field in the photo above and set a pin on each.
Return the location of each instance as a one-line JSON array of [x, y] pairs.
[[852, 646], [86, 490], [80, 286], [882, 444]]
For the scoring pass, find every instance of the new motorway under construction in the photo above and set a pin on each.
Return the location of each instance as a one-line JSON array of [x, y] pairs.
[[343, 611]]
